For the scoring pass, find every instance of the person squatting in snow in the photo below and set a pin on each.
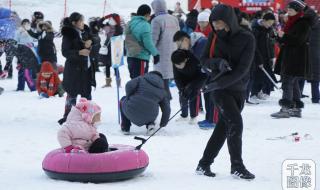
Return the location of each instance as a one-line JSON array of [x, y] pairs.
[[48, 82], [79, 132], [144, 95]]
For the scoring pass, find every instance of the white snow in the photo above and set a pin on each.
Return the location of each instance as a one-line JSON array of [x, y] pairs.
[[28, 128]]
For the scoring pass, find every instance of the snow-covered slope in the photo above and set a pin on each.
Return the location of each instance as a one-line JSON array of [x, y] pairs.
[[28, 128]]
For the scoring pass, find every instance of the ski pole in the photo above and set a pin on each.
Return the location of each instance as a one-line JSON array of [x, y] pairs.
[[283, 137], [145, 140], [269, 77]]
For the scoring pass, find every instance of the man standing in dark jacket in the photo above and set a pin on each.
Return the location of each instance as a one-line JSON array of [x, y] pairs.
[[262, 30], [140, 106], [233, 47]]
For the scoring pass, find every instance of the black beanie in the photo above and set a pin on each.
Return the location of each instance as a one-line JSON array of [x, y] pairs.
[[38, 15], [179, 56], [269, 16], [297, 5], [144, 10]]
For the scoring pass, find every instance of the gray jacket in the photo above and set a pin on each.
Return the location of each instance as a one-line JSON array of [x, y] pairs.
[[164, 26], [144, 95]]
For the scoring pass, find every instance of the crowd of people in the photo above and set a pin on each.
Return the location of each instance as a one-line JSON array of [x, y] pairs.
[[220, 57]]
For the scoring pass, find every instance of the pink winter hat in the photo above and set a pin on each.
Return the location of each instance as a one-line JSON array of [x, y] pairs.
[[88, 109]]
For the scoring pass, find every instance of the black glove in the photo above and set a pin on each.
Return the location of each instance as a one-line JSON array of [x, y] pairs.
[[156, 59], [223, 66]]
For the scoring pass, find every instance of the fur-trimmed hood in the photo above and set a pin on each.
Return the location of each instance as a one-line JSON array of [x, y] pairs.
[[44, 23], [71, 32]]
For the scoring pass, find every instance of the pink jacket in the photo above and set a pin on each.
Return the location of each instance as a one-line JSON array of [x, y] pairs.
[[76, 131]]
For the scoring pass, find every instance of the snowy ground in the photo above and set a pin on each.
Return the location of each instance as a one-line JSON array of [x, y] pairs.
[[28, 128]]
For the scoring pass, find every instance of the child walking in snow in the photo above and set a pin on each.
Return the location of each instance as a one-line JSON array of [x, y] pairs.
[[79, 132], [48, 82]]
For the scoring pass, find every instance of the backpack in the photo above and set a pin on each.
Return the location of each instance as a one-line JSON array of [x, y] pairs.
[[132, 45]]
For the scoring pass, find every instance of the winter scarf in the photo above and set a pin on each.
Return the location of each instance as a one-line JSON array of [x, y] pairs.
[[291, 21]]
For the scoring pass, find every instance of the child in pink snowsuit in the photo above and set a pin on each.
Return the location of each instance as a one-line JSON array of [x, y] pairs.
[[79, 132]]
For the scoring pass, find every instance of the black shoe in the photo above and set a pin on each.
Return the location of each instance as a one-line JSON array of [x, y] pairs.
[[296, 112], [62, 120], [242, 173], [205, 171]]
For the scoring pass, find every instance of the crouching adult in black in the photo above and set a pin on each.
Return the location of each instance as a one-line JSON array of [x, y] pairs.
[[189, 79], [79, 73], [140, 106], [235, 47]]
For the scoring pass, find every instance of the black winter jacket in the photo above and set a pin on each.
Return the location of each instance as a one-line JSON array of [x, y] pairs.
[[238, 49], [78, 77]]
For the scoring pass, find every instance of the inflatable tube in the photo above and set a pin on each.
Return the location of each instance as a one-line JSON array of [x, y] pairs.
[[122, 162]]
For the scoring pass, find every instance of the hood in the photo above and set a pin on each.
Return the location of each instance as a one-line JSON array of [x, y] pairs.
[[44, 23], [46, 67], [195, 36], [88, 109], [154, 80], [74, 115], [71, 32], [159, 6], [227, 15]]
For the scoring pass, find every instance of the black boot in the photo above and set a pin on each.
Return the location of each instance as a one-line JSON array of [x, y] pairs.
[[286, 109], [62, 120], [296, 111], [205, 170], [242, 173]]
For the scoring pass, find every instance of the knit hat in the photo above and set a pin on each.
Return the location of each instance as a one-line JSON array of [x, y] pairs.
[[46, 67], [179, 56], [297, 5], [38, 15], [144, 10], [88, 109], [203, 16]]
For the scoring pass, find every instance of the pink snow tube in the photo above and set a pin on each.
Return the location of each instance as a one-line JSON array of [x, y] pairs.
[[122, 162]]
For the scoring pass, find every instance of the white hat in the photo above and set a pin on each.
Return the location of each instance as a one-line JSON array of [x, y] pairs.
[[203, 16]]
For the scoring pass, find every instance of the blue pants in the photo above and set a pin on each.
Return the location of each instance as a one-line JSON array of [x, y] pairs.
[[25, 76]]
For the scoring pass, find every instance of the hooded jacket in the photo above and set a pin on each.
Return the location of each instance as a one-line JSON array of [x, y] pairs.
[[77, 131], [164, 26], [48, 85], [46, 48], [237, 49], [78, 76], [144, 95]]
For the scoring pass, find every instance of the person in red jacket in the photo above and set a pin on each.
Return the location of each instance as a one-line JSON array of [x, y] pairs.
[[48, 82]]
